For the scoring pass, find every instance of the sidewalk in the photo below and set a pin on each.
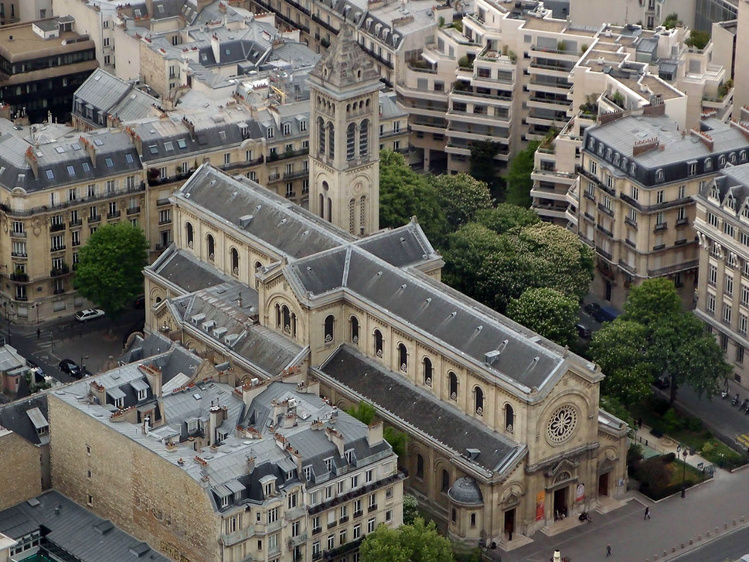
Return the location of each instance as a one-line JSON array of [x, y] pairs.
[[664, 445]]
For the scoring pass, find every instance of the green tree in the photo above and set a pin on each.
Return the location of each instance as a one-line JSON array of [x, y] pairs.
[[505, 216], [698, 39], [518, 178], [467, 249], [460, 197], [110, 270], [619, 349], [652, 300], [671, 21], [410, 509], [418, 542], [483, 167], [366, 413], [405, 194], [548, 313]]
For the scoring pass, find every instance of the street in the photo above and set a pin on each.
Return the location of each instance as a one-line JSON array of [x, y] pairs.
[[731, 547], [90, 343]]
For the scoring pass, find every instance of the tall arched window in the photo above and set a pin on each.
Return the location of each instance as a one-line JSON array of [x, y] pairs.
[[329, 321], [234, 261], [211, 246], [478, 401], [378, 343], [331, 140], [509, 418], [427, 371], [351, 142], [364, 139], [419, 466], [286, 317], [330, 209], [278, 316], [354, 330], [189, 233], [402, 358], [322, 205], [352, 216], [453, 385], [445, 483], [362, 214], [320, 135]]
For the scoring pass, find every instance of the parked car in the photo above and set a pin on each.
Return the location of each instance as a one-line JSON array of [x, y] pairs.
[[140, 302], [71, 368], [583, 331], [606, 314], [89, 314], [592, 308]]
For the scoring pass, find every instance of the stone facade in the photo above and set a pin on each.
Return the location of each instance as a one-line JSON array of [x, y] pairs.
[[20, 469]]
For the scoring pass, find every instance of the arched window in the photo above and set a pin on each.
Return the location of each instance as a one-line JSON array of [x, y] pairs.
[[352, 216], [331, 140], [364, 139], [478, 401], [189, 232], [234, 261], [278, 316], [286, 317], [351, 142], [320, 135], [402, 358], [453, 385], [419, 466], [445, 483], [329, 321], [354, 330], [258, 266], [330, 209], [362, 214], [211, 247], [322, 204], [427, 371], [378, 343], [509, 418], [293, 325]]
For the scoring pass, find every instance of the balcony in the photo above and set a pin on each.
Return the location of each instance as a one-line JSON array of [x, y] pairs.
[[317, 530], [230, 539], [22, 298], [358, 514], [19, 277], [600, 251], [58, 271], [343, 520], [162, 222], [133, 210], [57, 227], [290, 194], [274, 177], [59, 291], [19, 255], [58, 248], [114, 215], [295, 174], [155, 179], [682, 222], [14, 234], [369, 488], [660, 226], [603, 230], [297, 540], [372, 508], [162, 202], [75, 223], [95, 219]]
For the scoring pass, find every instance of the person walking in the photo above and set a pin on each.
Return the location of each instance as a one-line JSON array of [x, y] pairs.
[[608, 550], [647, 513]]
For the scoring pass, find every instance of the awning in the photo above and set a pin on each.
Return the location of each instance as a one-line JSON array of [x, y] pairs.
[[115, 393]]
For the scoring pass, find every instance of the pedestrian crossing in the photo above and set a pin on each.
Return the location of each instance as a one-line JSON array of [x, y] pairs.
[[743, 439]]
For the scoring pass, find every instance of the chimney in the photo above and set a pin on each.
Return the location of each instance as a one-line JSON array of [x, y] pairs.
[[216, 48], [31, 159], [90, 150], [146, 424], [642, 146], [214, 420], [374, 433], [190, 127], [742, 126], [153, 376], [251, 389], [335, 437], [705, 139]]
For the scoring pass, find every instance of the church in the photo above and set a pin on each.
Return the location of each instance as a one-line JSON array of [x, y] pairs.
[[505, 434]]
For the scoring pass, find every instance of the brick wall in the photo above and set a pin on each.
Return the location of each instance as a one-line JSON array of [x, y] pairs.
[[20, 470]]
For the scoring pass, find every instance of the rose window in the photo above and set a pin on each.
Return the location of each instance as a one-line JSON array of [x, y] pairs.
[[562, 424]]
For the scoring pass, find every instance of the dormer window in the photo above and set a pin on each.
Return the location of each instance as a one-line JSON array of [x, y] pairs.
[[286, 128], [722, 161], [608, 154], [708, 164], [269, 133], [659, 175], [730, 203], [329, 464], [616, 159], [745, 211], [308, 473], [268, 484], [142, 394], [119, 403], [632, 169], [350, 456], [732, 158], [591, 143], [715, 193], [742, 156]]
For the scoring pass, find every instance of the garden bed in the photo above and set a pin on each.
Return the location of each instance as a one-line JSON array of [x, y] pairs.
[[664, 475]]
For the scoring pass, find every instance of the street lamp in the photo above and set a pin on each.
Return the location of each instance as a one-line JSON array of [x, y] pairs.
[[684, 453]]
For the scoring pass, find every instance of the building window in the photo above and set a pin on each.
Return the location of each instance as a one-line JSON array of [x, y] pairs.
[[659, 197], [593, 167], [710, 303], [364, 139], [89, 500], [739, 353], [743, 321], [419, 467], [728, 289], [378, 343], [724, 342], [211, 246], [427, 364], [712, 275], [371, 525], [727, 311], [351, 142], [478, 399], [402, 358], [453, 385], [354, 330], [329, 322], [190, 234], [234, 261], [635, 193], [445, 482]]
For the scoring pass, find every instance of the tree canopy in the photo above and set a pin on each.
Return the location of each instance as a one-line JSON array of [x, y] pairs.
[[494, 268], [547, 312], [518, 176], [505, 216], [654, 338], [418, 542], [405, 194], [110, 268], [366, 413], [483, 167], [460, 196]]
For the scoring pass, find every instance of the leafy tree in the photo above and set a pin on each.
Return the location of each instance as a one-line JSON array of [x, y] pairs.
[[505, 216], [366, 413], [404, 194], [467, 249], [460, 196], [698, 39], [619, 349], [418, 542], [518, 176], [651, 300], [483, 167], [613, 406], [410, 509], [110, 269], [671, 21], [547, 312]]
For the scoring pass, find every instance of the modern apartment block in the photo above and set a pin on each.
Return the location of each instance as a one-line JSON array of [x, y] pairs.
[[638, 175], [42, 63], [722, 297], [272, 471]]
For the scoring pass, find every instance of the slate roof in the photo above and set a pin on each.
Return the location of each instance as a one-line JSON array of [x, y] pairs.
[[186, 271], [74, 529], [101, 90], [420, 409], [14, 416], [403, 246]]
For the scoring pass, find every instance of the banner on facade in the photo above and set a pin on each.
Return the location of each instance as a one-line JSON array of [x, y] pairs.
[[540, 501], [580, 496]]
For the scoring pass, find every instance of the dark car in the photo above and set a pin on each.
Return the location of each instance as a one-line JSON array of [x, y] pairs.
[[70, 367], [592, 308], [606, 314], [583, 331], [140, 302]]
